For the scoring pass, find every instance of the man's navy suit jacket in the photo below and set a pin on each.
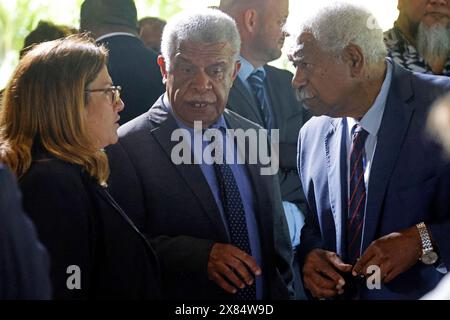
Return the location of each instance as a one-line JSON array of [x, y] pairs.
[[409, 182]]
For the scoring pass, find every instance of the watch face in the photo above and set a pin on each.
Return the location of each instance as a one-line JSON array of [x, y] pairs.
[[429, 257]]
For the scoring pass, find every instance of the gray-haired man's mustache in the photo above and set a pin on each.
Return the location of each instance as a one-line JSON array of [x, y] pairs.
[[302, 94]]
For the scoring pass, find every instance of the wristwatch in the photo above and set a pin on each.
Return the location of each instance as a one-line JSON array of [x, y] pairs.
[[428, 255]]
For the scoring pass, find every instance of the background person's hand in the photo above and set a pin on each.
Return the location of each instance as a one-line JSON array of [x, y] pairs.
[[228, 264], [321, 273], [393, 254]]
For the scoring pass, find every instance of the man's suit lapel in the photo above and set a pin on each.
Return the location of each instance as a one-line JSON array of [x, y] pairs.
[[244, 96], [336, 170], [191, 174], [392, 132]]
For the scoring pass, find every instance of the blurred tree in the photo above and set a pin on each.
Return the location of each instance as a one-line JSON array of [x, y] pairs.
[[17, 19], [163, 9]]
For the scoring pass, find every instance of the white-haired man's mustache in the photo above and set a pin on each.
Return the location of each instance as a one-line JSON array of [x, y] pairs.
[[302, 94]]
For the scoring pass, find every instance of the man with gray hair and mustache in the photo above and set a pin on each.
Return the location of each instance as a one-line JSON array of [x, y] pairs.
[[378, 192], [420, 38], [218, 227]]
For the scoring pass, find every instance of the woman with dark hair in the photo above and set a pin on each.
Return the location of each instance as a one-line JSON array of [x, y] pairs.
[[60, 109]]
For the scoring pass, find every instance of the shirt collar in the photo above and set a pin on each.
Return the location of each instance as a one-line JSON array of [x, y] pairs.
[[247, 69], [112, 34], [371, 121]]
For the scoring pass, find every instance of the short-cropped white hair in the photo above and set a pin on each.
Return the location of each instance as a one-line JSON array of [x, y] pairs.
[[339, 24], [205, 25]]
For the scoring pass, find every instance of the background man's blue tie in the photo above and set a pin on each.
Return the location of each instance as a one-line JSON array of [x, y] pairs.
[[235, 215], [256, 81], [357, 195]]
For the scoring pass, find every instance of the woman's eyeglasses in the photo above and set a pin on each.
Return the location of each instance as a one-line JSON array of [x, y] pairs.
[[114, 90]]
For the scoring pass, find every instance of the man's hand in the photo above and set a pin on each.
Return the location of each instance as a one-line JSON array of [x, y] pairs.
[[321, 273], [393, 254], [228, 264]]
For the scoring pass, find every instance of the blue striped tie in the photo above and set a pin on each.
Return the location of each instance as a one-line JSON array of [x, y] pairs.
[[256, 80], [357, 195]]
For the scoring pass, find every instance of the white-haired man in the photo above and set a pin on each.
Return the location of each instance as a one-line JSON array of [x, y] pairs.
[[420, 38], [378, 192], [218, 228], [263, 94]]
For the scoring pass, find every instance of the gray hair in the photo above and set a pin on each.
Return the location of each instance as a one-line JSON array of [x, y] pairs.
[[337, 25], [205, 25]]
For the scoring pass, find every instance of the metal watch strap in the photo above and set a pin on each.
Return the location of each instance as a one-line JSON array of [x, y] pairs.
[[425, 237]]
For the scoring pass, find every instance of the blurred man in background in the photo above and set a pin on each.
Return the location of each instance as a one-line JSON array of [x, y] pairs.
[[150, 31], [45, 31], [131, 64], [420, 38]]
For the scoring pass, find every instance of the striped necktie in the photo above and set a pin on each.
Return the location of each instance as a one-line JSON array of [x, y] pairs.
[[256, 80], [357, 194]]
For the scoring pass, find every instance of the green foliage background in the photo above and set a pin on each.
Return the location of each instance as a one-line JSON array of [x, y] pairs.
[[19, 17]]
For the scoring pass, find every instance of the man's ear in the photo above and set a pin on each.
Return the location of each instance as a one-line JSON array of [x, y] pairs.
[[354, 57], [250, 20], [237, 67], [162, 67]]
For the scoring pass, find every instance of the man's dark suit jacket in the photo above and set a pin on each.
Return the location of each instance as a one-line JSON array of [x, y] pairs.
[[409, 181], [133, 67], [24, 264], [289, 116], [81, 225], [180, 213]]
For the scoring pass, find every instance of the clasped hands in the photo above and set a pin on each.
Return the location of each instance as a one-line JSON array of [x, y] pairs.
[[394, 254]]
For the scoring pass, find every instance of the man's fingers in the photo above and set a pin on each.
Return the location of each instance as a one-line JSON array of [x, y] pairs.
[[221, 282], [240, 269], [325, 282], [231, 276], [389, 276], [388, 272], [320, 275], [319, 292], [229, 266], [334, 277], [363, 263], [248, 260], [319, 279], [338, 263]]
